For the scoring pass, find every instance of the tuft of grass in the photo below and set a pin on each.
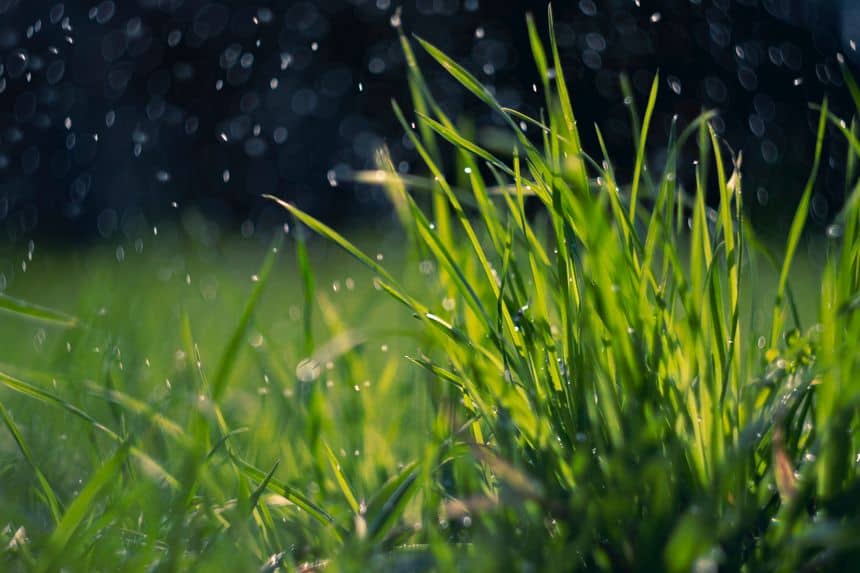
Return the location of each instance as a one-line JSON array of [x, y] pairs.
[[621, 412]]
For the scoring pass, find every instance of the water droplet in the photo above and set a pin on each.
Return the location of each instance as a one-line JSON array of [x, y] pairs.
[[56, 13], [834, 231], [588, 7], [105, 11], [174, 37], [396, 18]]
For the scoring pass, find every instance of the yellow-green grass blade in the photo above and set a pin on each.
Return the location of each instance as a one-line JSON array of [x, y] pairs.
[[796, 229]]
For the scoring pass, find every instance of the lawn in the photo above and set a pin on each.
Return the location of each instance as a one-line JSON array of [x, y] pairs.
[[628, 379]]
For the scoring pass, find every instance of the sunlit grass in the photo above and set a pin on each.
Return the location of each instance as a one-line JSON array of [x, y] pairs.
[[628, 380]]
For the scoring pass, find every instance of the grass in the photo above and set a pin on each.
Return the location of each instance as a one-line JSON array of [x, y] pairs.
[[630, 380]]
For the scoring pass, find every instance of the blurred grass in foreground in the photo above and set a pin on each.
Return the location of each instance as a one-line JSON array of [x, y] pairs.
[[627, 381]]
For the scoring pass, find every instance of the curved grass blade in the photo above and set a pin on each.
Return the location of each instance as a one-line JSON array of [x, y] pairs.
[[148, 464], [387, 504], [30, 311], [54, 505]]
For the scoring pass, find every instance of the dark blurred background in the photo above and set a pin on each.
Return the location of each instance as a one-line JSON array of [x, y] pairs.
[[116, 115]]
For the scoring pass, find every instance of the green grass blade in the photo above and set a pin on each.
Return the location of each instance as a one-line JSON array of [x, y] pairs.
[[148, 464], [341, 480], [797, 226], [387, 505], [231, 353], [35, 312], [81, 507], [640, 152], [54, 505], [260, 489]]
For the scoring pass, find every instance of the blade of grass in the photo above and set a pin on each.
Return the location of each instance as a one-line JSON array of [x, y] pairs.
[[29, 311], [54, 506], [231, 352], [796, 228]]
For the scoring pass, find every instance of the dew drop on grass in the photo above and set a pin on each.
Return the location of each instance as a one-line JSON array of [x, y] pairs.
[[308, 370]]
